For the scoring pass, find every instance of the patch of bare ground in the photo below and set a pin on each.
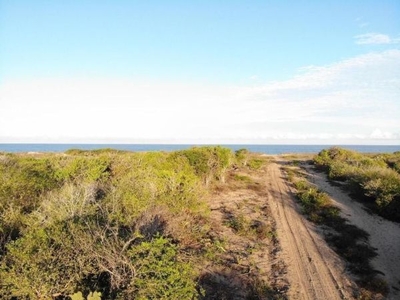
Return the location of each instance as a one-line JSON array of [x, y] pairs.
[[247, 262]]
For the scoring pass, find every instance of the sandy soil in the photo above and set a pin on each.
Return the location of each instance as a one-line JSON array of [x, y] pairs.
[[297, 263], [314, 271], [384, 234], [246, 260]]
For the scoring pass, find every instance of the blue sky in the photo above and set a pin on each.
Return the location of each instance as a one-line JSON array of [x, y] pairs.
[[243, 71]]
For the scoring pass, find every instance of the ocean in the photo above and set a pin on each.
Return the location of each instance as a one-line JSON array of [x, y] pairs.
[[266, 149]]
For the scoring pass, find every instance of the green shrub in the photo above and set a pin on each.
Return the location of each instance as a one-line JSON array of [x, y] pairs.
[[312, 200], [39, 265], [339, 170], [393, 161], [302, 185], [383, 187], [209, 162], [322, 159], [255, 163], [242, 156], [150, 179], [159, 273], [24, 179], [199, 159], [84, 169], [12, 222]]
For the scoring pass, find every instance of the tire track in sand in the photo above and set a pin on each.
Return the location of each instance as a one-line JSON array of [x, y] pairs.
[[384, 235], [309, 274]]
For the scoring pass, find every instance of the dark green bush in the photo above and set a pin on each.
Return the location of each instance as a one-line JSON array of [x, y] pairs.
[[24, 179], [159, 272], [40, 264]]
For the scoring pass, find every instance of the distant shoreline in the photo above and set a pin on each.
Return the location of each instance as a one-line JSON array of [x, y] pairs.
[[263, 149]]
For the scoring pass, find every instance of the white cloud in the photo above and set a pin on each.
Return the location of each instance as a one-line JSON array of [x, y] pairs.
[[379, 134], [366, 82], [375, 38], [346, 100]]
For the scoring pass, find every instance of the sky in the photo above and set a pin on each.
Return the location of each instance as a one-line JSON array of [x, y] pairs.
[[293, 72]]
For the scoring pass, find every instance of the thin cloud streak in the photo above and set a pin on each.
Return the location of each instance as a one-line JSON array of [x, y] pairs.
[[375, 38]]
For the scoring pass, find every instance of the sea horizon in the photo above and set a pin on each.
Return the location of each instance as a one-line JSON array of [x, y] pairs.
[[141, 147]]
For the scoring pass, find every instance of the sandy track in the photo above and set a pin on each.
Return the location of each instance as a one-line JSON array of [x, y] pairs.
[[384, 234], [314, 271]]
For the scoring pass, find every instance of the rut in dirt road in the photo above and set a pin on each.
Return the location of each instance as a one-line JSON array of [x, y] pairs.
[[314, 271]]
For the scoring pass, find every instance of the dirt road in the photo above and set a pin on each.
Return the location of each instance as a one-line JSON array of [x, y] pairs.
[[314, 270], [384, 234]]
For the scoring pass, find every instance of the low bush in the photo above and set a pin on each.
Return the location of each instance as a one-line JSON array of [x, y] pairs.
[[393, 161], [159, 272], [255, 163], [313, 200], [84, 168], [24, 179], [242, 156], [209, 162]]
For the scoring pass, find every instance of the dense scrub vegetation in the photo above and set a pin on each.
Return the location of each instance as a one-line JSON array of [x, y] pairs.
[[374, 179], [126, 225]]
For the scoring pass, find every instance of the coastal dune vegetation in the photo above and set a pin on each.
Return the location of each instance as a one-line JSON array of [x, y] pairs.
[[371, 178], [189, 224], [106, 223]]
